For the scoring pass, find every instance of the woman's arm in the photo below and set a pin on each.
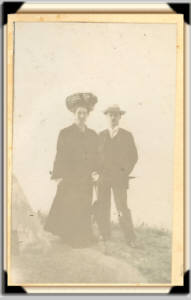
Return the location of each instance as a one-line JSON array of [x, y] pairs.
[[58, 162]]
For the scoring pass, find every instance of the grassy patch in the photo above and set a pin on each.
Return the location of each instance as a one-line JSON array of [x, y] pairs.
[[152, 256]]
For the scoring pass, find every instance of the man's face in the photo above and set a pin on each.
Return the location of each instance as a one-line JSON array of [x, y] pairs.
[[113, 118], [81, 115]]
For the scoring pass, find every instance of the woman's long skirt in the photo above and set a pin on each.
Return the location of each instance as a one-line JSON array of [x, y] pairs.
[[70, 214]]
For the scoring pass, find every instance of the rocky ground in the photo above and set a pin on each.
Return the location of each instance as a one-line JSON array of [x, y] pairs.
[[148, 262]]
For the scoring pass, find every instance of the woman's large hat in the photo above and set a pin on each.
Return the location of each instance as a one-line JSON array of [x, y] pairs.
[[114, 109], [87, 100]]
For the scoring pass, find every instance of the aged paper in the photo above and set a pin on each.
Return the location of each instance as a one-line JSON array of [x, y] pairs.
[[133, 63]]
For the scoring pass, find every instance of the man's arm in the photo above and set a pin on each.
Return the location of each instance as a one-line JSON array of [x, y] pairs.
[[132, 154]]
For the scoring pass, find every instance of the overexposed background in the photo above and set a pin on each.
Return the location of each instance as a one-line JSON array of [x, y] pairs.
[[133, 65]]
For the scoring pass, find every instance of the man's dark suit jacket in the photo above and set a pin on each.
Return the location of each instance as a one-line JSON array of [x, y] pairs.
[[118, 156]]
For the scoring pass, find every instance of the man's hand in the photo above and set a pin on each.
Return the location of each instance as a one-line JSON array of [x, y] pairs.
[[95, 176]]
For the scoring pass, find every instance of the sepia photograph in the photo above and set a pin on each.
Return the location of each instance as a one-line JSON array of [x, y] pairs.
[[95, 141]]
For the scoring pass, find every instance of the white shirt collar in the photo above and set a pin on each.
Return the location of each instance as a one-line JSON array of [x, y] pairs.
[[113, 131]]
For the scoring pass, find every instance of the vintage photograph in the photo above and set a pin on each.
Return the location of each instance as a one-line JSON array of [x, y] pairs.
[[94, 112]]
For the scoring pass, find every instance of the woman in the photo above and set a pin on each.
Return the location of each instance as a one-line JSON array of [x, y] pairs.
[[75, 165]]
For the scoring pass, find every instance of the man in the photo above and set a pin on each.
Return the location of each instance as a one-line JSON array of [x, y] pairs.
[[118, 156]]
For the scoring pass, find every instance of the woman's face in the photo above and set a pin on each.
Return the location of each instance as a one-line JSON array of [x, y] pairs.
[[81, 115]]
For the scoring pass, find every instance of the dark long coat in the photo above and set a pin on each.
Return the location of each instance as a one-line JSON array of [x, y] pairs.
[[76, 159], [118, 156]]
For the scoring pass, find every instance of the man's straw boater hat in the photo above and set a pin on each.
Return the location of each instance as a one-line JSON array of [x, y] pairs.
[[114, 109], [87, 100]]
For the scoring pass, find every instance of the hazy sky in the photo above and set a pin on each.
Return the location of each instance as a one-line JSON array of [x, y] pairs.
[[133, 65]]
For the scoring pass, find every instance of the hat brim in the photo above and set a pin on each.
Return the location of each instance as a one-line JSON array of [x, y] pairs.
[[122, 112]]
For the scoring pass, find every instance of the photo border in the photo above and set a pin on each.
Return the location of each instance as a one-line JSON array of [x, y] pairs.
[[178, 262]]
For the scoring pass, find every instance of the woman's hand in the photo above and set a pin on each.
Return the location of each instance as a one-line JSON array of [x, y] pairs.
[[58, 180], [95, 176]]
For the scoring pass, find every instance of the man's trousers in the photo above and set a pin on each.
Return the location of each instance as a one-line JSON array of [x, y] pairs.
[[102, 210]]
